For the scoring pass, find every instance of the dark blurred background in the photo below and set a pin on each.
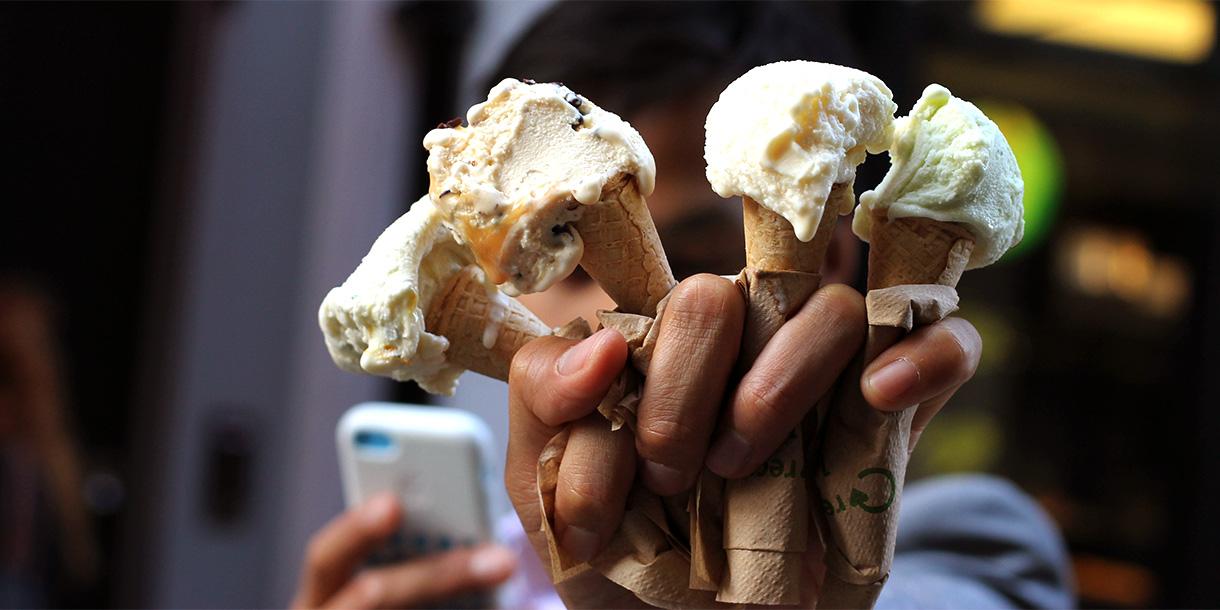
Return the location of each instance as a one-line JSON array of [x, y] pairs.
[[185, 181]]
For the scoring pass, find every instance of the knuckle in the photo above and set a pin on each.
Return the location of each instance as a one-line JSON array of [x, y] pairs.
[[531, 382], [769, 403], [519, 368], [584, 498], [659, 435], [965, 346], [701, 304], [529, 364], [841, 303], [562, 402], [517, 480]]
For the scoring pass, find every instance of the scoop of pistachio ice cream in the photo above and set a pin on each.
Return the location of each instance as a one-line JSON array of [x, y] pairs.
[[784, 134], [512, 181], [374, 321], [949, 162]]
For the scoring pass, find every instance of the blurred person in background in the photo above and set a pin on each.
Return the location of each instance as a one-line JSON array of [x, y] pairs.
[[966, 541], [47, 546]]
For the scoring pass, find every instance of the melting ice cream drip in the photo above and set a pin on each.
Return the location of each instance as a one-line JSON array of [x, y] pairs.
[[496, 312]]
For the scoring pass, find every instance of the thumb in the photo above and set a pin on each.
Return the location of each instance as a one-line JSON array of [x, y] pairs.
[[560, 380], [553, 381]]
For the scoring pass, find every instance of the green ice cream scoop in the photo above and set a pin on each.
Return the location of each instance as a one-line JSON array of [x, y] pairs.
[[949, 162]]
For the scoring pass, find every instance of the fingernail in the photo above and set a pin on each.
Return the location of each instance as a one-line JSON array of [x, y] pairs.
[[492, 563], [378, 510], [574, 359], [894, 380], [580, 543], [729, 454], [663, 479]]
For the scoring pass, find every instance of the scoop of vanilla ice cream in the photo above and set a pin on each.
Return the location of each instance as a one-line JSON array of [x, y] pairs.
[[374, 321], [511, 182], [783, 134], [949, 162]]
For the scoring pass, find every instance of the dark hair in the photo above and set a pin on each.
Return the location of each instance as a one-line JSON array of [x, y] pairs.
[[629, 55]]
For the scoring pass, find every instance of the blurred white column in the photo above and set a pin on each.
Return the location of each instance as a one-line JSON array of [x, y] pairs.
[[293, 167], [366, 100]]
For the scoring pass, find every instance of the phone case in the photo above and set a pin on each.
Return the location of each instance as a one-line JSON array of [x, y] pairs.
[[434, 458]]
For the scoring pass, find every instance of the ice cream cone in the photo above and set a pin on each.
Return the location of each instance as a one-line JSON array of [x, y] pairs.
[[865, 451], [771, 243], [790, 268], [765, 528], [917, 251], [622, 250], [484, 327]]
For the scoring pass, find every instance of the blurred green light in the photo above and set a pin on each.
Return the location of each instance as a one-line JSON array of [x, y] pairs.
[[1041, 166], [961, 441]]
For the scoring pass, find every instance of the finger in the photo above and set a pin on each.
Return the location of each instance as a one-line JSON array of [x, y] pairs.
[[927, 363], [927, 410], [799, 364], [594, 478], [428, 579], [561, 380], [696, 348], [338, 549], [535, 386]]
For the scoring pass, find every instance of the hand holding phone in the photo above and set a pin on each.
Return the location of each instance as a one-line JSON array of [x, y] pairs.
[[329, 579], [431, 464]]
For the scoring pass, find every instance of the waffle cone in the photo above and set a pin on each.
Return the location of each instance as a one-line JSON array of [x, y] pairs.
[[765, 524], [786, 271], [622, 249], [484, 328], [771, 242], [865, 453], [917, 251]]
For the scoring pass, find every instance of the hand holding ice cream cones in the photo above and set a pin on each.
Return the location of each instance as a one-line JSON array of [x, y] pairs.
[[541, 180]]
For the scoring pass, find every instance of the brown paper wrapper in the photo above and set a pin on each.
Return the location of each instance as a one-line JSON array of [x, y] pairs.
[[765, 530], [649, 554], [484, 328], [737, 544], [914, 265], [765, 527], [622, 400]]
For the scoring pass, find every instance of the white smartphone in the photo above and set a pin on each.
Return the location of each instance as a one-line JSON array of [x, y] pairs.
[[436, 459]]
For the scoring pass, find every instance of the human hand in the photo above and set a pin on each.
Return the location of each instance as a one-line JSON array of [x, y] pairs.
[[329, 578], [696, 349], [556, 382]]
